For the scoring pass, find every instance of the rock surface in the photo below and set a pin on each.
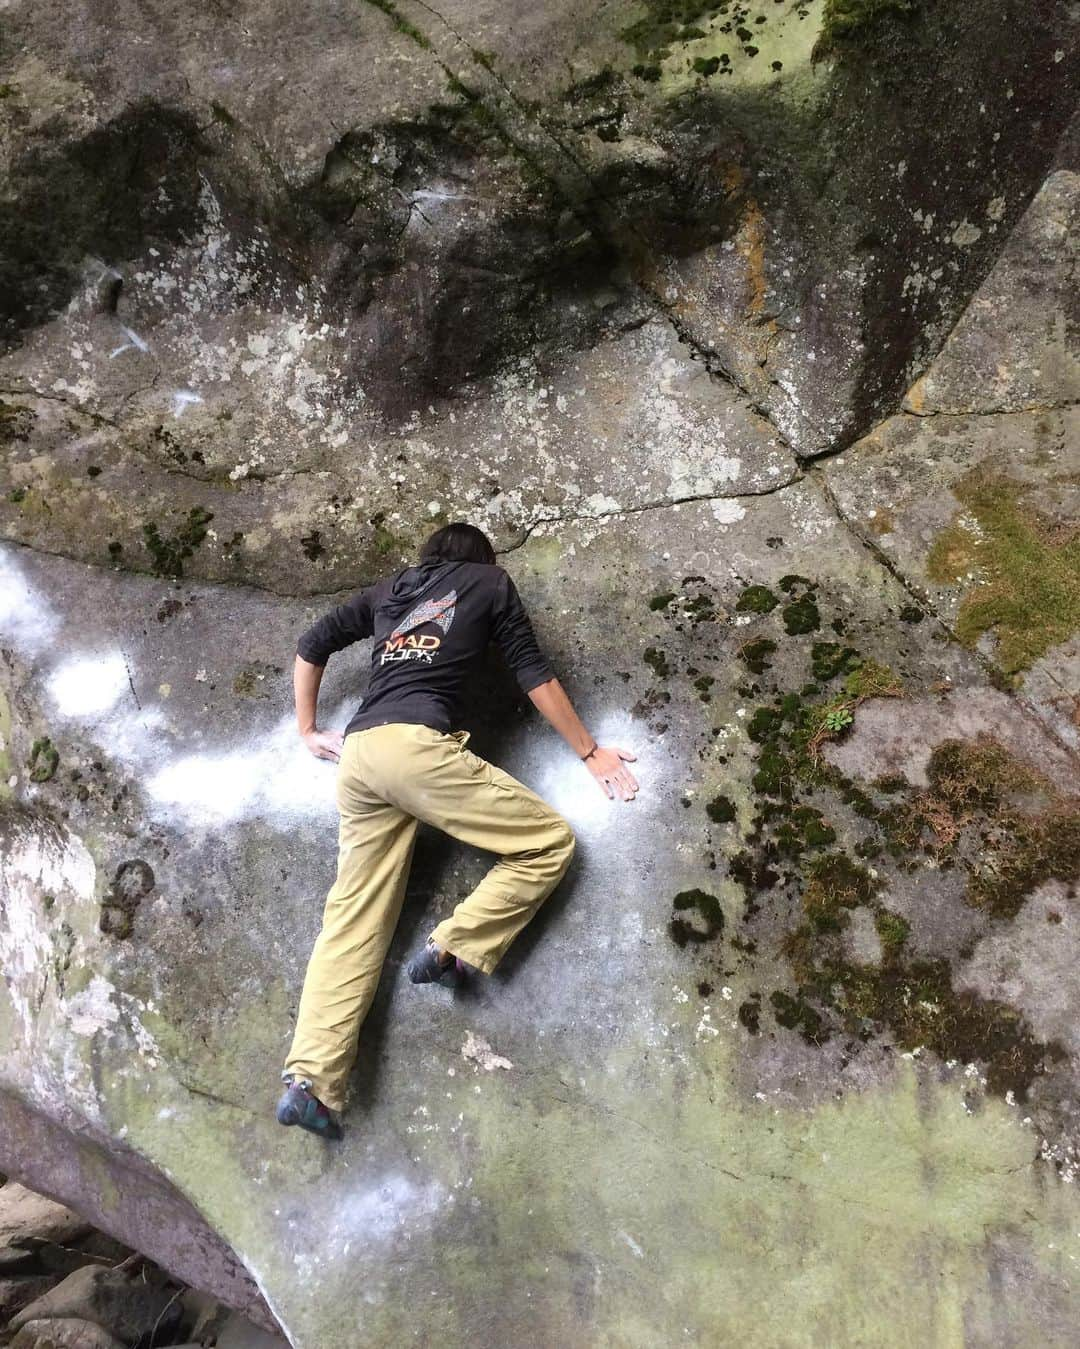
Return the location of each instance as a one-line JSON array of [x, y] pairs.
[[790, 1057], [27, 1216]]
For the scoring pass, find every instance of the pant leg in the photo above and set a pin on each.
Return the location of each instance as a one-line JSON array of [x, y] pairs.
[[375, 848], [435, 778]]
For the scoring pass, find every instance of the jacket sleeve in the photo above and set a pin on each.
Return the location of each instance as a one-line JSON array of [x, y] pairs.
[[513, 633], [348, 623]]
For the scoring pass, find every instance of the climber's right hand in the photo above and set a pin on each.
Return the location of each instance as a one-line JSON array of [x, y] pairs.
[[325, 744]]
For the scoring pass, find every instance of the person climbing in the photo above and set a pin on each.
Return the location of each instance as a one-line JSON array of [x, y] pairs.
[[400, 762]]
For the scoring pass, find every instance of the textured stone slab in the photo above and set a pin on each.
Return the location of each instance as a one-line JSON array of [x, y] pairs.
[[633, 422], [1016, 345], [651, 1065]]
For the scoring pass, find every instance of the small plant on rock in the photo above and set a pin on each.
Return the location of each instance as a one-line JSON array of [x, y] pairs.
[[838, 718]]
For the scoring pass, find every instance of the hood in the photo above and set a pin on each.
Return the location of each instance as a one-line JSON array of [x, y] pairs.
[[413, 584]]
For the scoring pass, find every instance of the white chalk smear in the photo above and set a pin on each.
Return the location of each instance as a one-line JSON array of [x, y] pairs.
[[182, 399], [89, 685], [274, 775], [576, 794], [134, 341], [27, 621]]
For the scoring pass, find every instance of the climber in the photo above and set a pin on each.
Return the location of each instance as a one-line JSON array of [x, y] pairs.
[[401, 762]]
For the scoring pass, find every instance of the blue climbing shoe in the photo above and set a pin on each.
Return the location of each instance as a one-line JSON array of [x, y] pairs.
[[298, 1105], [426, 968]]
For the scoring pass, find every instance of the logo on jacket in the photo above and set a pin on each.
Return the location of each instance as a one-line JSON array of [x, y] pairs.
[[405, 643]]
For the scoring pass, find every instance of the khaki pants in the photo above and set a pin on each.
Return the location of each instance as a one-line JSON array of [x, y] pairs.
[[389, 779]]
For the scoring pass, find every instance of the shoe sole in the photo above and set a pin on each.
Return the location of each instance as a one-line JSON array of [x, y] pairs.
[[290, 1118]]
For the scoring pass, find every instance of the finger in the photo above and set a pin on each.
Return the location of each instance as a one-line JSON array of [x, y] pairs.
[[625, 754], [604, 787], [633, 782]]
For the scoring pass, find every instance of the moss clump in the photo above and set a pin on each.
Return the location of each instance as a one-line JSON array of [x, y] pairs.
[[802, 827], [721, 810], [384, 541], [17, 496], [16, 422], [755, 654], [801, 616], [756, 600], [704, 684], [973, 775], [815, 830], [916, 1001], [836, 884], [169, 554], [1028, 594], [700, 609], [664, 22], [893, 930], [312, 546], [872, 680], [1021, 853], [661, 601], [829, 659], [708, 910], [44, 760], [656, 660], [797, 1014], [843, 21], [971, 812], [764, 723]]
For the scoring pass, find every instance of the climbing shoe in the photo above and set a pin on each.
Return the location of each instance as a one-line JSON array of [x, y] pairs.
[[298, 1105], [426, 968]]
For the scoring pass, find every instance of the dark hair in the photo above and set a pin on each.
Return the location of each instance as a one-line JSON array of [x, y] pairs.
[[459, 542]]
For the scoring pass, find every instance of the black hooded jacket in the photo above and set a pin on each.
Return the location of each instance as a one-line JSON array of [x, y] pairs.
[[431, 623]]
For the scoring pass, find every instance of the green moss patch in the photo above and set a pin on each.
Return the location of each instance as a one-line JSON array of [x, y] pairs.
[[756, 654], [756, 600], [656, 660], [829, 659], [16, 422], [844, 21], [835, 884], [44, 760], [915, 1001], [977, 813], [721, 810], [710, 918], [1028, 591], [982, 810], [169, 552]]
